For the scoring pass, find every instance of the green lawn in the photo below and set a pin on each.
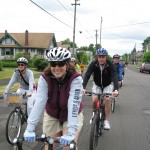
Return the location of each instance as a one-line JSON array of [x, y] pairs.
[[7, 72], [14, 87]]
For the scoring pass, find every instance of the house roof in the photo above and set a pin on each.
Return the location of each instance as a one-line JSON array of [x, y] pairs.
[[35, 40]]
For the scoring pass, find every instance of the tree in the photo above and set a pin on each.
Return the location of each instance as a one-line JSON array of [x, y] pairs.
[[146, 41], [83, 57], [68, 42], [146, 57]]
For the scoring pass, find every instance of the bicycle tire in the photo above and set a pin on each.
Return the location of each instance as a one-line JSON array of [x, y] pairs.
[[94, 133], [13, 123]]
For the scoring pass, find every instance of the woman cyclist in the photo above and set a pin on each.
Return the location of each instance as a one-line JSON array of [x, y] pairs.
[[25, 77], [59, 93]]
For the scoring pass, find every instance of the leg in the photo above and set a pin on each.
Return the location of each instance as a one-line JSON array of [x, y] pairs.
[[108, 89], [95, 90], [107, 107], [80, 119]]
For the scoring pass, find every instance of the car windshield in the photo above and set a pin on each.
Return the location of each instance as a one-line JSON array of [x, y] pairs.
[[147, 65]]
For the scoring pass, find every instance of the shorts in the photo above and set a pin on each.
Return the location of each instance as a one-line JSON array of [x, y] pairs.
[[98, 90], [52, 125]]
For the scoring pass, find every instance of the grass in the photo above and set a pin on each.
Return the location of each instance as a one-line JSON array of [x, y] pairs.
[[7, 72]]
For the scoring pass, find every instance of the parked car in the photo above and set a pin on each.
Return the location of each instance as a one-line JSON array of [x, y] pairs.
[[145, 67]]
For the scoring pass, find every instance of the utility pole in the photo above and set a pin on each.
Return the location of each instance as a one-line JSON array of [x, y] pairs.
[[96, 38], [74, 26], [101, 30]]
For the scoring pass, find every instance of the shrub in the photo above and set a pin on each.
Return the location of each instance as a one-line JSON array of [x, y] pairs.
[[1, 66], [40, 64], [9, 64]]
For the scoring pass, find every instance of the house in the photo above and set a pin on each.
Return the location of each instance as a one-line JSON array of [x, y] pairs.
[[31, 43], [139, 56]]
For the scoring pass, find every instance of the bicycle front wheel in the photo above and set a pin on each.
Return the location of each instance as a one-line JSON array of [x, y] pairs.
[[94, 133], [13, 126]]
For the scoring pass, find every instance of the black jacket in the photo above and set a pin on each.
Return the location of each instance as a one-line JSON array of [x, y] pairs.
[[104, 78]]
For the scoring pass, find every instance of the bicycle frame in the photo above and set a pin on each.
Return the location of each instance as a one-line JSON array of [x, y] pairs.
[[24, 115]]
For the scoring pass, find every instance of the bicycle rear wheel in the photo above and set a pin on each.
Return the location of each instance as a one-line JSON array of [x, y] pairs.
[[13, 126], [94, 133]]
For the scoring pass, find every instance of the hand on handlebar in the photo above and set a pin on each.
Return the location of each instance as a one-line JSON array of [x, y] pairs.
[[29, 136], [67, 139], [115, 93]]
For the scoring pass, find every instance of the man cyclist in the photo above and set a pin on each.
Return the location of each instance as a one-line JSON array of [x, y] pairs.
[[25, 77], [104, 80], [119, 68]]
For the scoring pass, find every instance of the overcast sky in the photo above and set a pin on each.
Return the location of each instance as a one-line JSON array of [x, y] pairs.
[[125, 22]]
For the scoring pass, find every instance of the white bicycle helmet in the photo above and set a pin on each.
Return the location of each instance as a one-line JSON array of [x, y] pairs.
[[73, 59], [58, 54], [22, 60]]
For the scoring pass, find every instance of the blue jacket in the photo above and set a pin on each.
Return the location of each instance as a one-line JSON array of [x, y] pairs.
[[119, 69]]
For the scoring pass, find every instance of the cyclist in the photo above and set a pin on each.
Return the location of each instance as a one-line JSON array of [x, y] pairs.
[[104, 80], [74, 63], [124, 66], [59, 92], [119, 68], [25, 77]]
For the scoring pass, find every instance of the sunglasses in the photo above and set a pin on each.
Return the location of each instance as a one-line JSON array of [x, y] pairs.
[[21, 64], [57, 63]]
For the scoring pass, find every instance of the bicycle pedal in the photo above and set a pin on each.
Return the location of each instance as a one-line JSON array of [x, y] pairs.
[[91, 120]]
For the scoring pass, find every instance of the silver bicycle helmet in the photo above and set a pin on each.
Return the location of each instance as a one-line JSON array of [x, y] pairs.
[[22, 60], [102, 51], [73, 59], [58, 54]]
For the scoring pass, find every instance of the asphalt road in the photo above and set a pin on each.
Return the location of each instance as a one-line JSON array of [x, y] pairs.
[[130, 123]]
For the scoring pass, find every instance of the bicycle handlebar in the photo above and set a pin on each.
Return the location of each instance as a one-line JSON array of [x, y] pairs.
[[103, 94], [43, 138]]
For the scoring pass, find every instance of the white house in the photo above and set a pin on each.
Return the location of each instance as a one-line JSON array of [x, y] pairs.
[[31, 43]]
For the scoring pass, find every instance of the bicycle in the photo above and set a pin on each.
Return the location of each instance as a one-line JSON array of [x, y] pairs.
[[18, 142], [97, 120], [17, 117]]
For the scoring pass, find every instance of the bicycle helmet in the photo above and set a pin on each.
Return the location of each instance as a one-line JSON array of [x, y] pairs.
[[22, 60], [116, 56], [58, 54], [101, 51], [73, 59]]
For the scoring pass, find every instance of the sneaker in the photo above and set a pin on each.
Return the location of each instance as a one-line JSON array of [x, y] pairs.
[[106, 125]]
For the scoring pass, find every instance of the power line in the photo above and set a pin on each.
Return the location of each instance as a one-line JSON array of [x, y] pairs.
[[126, 25], [64, 7], [51, 14]]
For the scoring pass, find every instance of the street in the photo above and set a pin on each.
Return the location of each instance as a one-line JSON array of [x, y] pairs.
[[130, 123]]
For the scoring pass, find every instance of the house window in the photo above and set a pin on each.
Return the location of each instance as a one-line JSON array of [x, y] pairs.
[[32, 50], [7, 51], [41, 52], [20, 50], [8, 40]]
